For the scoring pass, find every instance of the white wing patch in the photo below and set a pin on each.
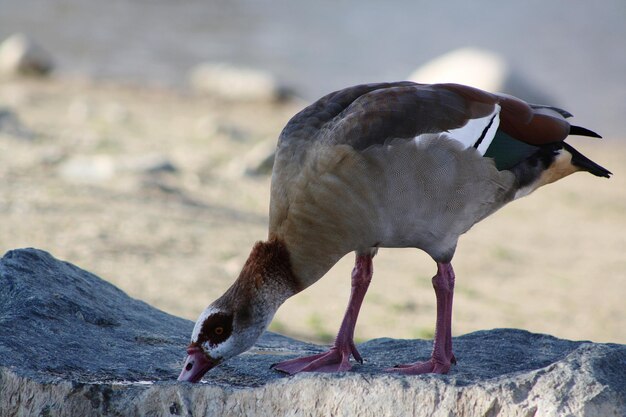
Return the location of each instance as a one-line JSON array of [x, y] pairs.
[[476, 133]]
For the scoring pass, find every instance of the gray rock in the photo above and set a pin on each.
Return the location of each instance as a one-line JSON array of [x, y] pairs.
[[481, 69], [72, 344], [21, 55], [229, 82]]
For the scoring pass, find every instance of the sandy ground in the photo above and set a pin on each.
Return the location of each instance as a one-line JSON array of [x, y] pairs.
[[76, 180]]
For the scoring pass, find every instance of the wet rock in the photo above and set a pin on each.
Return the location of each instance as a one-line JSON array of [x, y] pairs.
[[73, 344], [21, 55], [229, 82], [481, 69]]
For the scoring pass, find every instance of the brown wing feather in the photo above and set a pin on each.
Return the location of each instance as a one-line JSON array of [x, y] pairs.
[[402, 112], [307, 123], [542, 128], [373, 114], [535, 125]]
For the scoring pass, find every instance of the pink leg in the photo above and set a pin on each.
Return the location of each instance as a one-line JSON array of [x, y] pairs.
[[442, 356], [337, 359]]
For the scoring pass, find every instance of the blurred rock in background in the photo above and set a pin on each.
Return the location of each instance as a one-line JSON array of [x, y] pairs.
[[21, 55], [11, 125], [482, 69], [230, 82]]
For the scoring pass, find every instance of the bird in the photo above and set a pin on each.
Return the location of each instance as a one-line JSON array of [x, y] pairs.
[[383, 165]]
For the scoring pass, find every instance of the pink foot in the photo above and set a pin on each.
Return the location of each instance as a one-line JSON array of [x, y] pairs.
[[337, 359], [432, 366], [442, 357]]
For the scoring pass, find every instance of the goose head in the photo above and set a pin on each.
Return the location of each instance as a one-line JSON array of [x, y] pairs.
[[232, 323], [219, 334]]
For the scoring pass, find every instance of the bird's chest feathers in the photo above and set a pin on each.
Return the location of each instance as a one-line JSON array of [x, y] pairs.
[[321, 208], [420, 194]]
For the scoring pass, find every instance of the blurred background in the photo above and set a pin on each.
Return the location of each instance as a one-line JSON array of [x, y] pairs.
[[136, 140], [571, 49]]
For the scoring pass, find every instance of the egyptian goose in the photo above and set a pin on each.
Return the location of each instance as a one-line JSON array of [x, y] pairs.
[[388, 165]]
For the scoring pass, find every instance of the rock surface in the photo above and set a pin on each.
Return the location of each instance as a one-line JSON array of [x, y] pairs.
[[73, 344]]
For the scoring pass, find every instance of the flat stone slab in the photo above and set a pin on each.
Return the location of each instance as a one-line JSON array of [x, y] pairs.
[[73, 344]]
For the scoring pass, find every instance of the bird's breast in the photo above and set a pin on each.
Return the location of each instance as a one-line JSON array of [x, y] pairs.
[[421, 194]]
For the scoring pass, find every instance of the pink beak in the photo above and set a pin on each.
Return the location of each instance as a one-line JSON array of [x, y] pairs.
[[196, 365]]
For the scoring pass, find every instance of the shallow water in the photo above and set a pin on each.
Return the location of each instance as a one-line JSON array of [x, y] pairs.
[[573, 50]]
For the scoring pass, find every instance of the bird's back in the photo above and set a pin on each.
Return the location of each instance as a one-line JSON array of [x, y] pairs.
[[403, 165]]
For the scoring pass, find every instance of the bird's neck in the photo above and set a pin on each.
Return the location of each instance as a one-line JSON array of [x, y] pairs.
[[266, 280]]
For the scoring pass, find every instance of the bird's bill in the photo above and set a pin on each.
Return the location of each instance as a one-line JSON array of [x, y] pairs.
[[196, 365]]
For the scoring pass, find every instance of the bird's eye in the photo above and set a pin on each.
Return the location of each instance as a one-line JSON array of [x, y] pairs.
[[215, 329]]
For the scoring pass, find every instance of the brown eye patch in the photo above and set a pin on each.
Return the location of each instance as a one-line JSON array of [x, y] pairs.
[[216, 328]]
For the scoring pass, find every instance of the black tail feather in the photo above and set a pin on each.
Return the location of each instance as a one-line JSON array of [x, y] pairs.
[[581, 131], [585, 163]]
